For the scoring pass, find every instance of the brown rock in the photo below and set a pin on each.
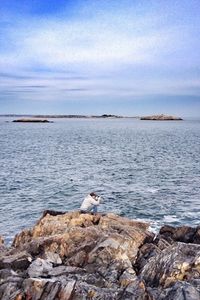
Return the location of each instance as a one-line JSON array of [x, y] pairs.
[[41, 289], [78, 237], [66, 292], [98, 250], [196, 237], [1, 241], [185, 234], [53, 258]]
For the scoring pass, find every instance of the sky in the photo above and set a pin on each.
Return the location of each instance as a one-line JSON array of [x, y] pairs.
[[122, 57]]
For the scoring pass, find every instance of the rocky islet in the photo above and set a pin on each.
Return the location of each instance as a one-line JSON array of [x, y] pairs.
[[25, 120], [84, 256], [161, 117]]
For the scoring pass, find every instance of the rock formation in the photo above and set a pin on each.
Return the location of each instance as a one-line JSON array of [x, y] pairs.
[[161, 118], [84, 256]]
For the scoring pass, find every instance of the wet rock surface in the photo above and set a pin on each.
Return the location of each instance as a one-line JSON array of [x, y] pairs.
[[84, 256]]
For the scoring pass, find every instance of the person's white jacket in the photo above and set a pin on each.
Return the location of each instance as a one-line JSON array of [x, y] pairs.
[[89, 202]]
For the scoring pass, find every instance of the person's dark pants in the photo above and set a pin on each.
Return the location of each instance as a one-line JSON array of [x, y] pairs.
[[93, 209]]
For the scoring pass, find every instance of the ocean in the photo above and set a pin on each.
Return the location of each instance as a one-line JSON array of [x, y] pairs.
[[147, 170]]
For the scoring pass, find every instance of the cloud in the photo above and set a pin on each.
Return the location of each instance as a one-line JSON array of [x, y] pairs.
[[74, 44], [102, 50]]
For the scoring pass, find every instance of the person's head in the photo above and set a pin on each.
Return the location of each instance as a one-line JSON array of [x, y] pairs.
[[93, 195]]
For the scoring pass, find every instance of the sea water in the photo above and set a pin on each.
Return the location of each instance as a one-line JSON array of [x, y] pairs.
[[147, 170]]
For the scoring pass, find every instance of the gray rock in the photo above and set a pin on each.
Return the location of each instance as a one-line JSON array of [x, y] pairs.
[[177, 262], [84, 291], [61, 270], [10, 290], [180, 291], [16, 261], [39, 267], [5, 273]]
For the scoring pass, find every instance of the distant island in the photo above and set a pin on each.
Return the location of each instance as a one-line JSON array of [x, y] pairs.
[[32, 121], [161, 117]]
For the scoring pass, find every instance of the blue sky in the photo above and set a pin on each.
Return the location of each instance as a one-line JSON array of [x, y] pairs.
[[91, 57]]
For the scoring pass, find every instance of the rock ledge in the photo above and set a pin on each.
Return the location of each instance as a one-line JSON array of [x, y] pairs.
[[71, 256]]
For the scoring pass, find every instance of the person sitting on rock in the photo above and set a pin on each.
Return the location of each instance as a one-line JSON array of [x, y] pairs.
[[90, 203]]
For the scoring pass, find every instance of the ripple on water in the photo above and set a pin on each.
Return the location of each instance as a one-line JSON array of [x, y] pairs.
[[144, 170]]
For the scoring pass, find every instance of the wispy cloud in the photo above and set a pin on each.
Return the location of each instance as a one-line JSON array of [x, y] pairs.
[[102, 50]]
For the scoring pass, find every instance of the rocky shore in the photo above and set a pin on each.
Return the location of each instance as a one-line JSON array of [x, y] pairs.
[[71, 256]]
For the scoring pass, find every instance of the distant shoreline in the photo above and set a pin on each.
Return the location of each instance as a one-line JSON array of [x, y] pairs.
[[160, 117], [104, 116]]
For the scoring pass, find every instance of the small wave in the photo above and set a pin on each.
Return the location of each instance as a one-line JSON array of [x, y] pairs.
[[154, 226], [170, 218], [152, 190]]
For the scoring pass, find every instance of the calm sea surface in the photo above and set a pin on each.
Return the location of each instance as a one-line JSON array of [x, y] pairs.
[[148, 170]]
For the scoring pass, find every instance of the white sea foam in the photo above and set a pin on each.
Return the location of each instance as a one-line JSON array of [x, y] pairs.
[[170, 218], [154, 226]]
